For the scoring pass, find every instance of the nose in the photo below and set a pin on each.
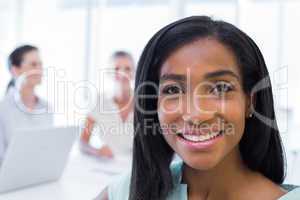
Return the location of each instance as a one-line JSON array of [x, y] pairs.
[[198, 111]]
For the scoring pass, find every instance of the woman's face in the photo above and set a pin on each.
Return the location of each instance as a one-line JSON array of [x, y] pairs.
[[201, 104], [123, 68], [31, 68]]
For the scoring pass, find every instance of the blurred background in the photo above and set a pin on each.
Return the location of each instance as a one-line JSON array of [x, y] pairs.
[[77, 37]]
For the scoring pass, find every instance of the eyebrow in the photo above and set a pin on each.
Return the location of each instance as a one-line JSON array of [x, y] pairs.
[[215, 74], [173, 77], [221, 73]]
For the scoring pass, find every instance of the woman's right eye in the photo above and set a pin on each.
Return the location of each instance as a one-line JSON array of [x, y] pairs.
[[171, 90]]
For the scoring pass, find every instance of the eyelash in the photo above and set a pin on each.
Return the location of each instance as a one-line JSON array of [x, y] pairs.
[[221, 88], [218, 89], [166, 90]]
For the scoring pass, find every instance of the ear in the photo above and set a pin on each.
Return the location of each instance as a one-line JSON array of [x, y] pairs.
[[15, 71]]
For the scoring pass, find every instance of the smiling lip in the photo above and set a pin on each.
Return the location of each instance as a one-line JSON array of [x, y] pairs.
[[198, 145]]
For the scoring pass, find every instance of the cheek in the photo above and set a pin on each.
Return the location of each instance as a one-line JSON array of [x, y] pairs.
[[29, 68], [129, 74], [167, 108], [234, 114], [169, 117], [21, 71], [170, 110]]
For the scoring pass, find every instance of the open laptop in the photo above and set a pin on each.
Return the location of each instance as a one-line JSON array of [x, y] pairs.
[[36, 156]]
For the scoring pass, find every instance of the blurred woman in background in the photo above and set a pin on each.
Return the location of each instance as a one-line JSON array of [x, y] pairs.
[[112, 118], [21, 108]]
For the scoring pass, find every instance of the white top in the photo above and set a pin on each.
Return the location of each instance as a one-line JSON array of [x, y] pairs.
[[110, 128], [15, 116]]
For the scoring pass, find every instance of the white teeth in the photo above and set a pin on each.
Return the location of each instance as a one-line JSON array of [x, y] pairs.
[[214, 134], [200, 138]]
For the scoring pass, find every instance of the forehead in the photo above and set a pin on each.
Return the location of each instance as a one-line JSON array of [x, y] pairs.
[[200, 57], [31, 55], [123, 61]]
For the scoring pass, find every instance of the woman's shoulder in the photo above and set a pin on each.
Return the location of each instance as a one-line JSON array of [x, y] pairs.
[[118, 189], [289, 187], [292, 194], [6, 103]]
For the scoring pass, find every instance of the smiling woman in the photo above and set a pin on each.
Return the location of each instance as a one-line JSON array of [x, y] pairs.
[[202, 74]]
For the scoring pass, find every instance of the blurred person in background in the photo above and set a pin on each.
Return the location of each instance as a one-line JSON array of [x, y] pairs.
[[21, 108], [112, 118]]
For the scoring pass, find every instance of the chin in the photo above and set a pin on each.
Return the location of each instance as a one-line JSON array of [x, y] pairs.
[[202, 164], [36, 82]]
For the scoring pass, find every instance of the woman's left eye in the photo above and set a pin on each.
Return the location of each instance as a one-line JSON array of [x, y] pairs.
[[221, 88], [172, 90]]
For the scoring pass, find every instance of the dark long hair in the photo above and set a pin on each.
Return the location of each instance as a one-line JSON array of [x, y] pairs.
[[15, 59], [261, 148]]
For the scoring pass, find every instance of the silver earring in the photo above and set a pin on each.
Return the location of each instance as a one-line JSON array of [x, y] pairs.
[[251, 115]]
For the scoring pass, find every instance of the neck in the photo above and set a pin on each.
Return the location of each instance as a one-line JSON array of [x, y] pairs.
[[221, 182], [28, 96]]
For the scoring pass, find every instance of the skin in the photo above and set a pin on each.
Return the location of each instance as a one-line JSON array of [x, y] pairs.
[[189, 96], [31, 67], [124, 68]]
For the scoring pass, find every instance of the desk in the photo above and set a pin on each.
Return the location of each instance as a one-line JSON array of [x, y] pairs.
[[83, 179]]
